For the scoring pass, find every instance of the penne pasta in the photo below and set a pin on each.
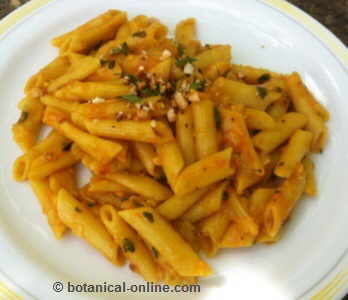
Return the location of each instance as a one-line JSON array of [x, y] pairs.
[[132, 246], [84, 224], [169, 244], [217, 166]]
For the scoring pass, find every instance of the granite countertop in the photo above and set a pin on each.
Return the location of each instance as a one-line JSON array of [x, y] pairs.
[[333, 14]]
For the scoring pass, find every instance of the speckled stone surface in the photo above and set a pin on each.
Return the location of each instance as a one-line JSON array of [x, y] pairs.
[[332, 13]]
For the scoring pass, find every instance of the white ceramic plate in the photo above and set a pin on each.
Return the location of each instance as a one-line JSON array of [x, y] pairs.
[[314, 241]]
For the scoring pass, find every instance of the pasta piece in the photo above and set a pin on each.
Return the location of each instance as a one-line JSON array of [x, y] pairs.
[[48, 205], [132, 246], [213, 55], [252, 75], [51, 143], [204, 128], [26, 130], [303, 102], [236, 134], [81, 66], [162, 69], [268, 140], [92, 33], [208, 205], [169, 244], [283, 201], [109, 109], [185, 135], [142, 185], [147, 154], [100, 149], [176, 206], [53, 70], [278, 108], [63, 179], [293, 153], [213, 228], [185, 31], [227, 91], [243, 230], [66, 106], [258, 201], [84, 224], [258, 120], [50, 162], [131, 130], [98, 184], [189, 232], [90, 90], [204, 172], [311, 185], [171, 160]]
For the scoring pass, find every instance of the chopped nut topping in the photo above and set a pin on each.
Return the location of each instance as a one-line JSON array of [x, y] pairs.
[[153, 123], [141, 68], [240, 75], [194, 97], [119, 116], [180, 100], [188, 69], [171, 115], [165, 54], [98, 100]]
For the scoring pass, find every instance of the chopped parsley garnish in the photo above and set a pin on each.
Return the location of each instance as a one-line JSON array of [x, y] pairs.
[[148, 216], [149, 92], [128, 245], [217, 117], [262, 92], [108, 63], [90, 204], [124, 199], [122, 49], [140, 34], [131, 98], [198, 85], [155, 252], [181, 50], [264, 78], [208, 46], [181, 62], [162, 178], [67, 146], [77, 209], [132, 78], [23, 117]]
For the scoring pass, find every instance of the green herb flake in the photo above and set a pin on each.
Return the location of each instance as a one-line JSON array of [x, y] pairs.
[[217, 117], [264, 78], [140, 34], [155, 252], [148, 216], [132, 78], [181, 50], [262, 92], [150, 93], [137, 203], [122, 49], [208, 46], [124, 199], [181, 62], [128, 245], [77, 209], [278, 89], [24, 115], [90, 204], [198, 85], [131, 98], [162, 179], [67, 146]]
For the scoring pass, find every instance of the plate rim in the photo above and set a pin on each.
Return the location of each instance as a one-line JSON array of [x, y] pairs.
[[327, 38]]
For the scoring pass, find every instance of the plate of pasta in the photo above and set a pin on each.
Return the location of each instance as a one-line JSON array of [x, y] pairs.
[[177, 143]]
